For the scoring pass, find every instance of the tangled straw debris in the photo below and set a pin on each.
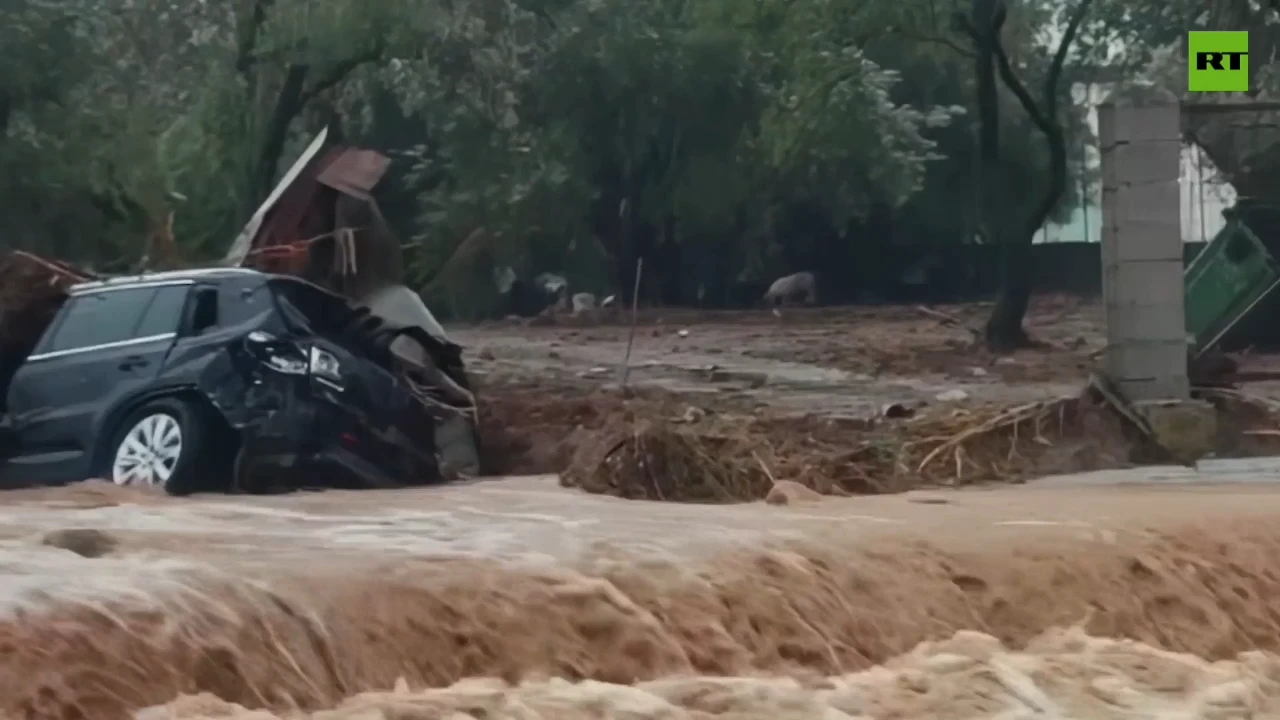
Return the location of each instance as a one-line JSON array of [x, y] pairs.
[[740, 458], [661, 459], [659, 447]]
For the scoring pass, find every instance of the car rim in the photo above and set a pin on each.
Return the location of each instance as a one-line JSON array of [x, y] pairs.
[[149, 452]]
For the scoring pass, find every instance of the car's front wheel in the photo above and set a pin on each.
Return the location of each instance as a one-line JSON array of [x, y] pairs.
[[163, 444]]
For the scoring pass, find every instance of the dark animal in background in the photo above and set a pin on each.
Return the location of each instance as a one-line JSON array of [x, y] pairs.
[[798, 287]]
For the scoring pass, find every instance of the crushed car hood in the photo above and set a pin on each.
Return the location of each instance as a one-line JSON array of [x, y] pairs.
[[398, 305]]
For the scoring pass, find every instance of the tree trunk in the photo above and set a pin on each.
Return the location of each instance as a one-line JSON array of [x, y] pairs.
[[986, 28], [292, 99], [288, 105], [1004, 332], [1004, 327], [6, 112], [671, 271]]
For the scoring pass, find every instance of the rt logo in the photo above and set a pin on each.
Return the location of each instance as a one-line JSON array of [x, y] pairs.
[[1218, 62]]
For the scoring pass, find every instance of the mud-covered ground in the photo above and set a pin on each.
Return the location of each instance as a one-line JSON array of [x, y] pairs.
[[838, 361], [1068, 597]]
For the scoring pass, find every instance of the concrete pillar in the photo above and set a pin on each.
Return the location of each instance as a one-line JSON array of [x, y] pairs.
[[1146, 355]]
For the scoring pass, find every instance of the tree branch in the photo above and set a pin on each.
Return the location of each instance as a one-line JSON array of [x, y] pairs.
[[6, 112], [276, 132], [1019, 90], [934, 40], [292, 99], [341, 70], [247, 37], [1046, 118]]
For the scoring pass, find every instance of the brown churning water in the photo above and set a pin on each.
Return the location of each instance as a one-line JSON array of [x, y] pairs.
[[793, 627]]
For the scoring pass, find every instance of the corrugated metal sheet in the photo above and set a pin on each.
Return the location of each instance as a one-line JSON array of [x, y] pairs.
[[307, 205], [246, 240], [353, 171]]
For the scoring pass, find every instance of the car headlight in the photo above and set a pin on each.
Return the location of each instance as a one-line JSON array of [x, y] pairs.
[[284, 358], [287, 365], [325, 365]]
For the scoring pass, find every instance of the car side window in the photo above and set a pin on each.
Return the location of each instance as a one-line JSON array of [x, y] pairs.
[[100, 318], [201, 312], [164, 314]]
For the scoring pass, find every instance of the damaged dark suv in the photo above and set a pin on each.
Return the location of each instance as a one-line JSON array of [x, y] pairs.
[[221, 379]]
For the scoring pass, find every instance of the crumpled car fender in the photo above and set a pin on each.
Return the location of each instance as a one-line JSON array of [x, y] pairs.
[[414, 348], [228, 382]]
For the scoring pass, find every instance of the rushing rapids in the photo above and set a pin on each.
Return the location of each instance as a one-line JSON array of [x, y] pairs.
[[1009, 603]]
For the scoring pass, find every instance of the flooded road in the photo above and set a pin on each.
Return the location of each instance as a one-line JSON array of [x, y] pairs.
[[534, 520], [815, 608]]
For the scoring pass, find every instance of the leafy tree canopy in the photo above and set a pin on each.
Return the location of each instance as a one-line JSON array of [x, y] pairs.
[[722, 140]]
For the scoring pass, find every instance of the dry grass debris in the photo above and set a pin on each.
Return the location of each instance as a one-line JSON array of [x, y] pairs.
[[658, 446], [708, 457], [659, 459]]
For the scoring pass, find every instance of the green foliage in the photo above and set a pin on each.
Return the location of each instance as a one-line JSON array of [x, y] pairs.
[[562, 135]]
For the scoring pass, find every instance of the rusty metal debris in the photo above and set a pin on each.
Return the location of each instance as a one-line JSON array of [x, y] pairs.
[[322, 223]]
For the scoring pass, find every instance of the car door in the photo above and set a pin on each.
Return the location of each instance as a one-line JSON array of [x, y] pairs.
[[199, 329], [104, 346]]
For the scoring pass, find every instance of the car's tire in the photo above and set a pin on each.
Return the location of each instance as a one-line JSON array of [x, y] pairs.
[[169, 442]]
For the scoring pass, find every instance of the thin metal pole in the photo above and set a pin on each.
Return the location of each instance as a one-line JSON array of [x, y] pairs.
[[631, 337], [1084, 162]]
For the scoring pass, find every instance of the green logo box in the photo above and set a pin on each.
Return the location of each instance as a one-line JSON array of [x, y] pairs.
[[1218, 62]]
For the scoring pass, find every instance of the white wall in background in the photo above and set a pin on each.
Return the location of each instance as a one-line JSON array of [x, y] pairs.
[[1204, 194]]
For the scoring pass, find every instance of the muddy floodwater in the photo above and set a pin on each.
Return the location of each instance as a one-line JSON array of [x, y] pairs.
[[533, 520], [518, 598]]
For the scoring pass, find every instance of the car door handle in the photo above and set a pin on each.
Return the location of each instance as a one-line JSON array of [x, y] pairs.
[[134, 361]]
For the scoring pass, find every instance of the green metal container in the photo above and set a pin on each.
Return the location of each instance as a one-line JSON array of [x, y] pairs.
[[1227, 279]]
